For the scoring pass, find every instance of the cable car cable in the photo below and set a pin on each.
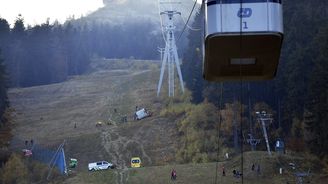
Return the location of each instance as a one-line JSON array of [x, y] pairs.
[[184, 20], [241, 96], [218, 133], [189, 27], [184, 28]]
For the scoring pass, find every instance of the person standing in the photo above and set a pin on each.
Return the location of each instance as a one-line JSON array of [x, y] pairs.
[[258, 170], [173, 174], [223, 171]]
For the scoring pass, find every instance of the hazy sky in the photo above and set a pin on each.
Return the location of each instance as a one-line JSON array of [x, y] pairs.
[[37, 11]]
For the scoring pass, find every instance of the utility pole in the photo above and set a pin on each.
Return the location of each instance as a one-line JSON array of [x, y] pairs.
[[170, 58]]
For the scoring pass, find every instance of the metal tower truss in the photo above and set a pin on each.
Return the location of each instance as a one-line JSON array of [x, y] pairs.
[[170, 58], [264, 118], [253, 142]]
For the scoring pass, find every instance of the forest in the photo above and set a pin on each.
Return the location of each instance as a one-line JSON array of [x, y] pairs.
[[49, 53]]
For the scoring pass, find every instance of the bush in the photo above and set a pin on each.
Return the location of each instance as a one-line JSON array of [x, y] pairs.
[[39, 171], [15, 171], [198, 130]]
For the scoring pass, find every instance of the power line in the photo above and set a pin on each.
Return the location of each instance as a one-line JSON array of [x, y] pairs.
[[186, 9], [189, 27], [218, 133], [184, 28]]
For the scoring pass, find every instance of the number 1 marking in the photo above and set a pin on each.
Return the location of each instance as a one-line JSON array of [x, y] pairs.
[[245, 25]]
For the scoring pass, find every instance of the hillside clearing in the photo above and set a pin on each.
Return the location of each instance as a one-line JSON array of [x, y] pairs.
[[110, 91]]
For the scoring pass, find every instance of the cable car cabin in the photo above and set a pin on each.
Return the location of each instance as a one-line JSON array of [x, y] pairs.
[[243, 39]]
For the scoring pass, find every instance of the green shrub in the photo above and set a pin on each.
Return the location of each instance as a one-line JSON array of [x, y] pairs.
[[15, 171]]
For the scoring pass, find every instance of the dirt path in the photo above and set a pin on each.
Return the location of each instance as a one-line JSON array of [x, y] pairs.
[[115, 145]]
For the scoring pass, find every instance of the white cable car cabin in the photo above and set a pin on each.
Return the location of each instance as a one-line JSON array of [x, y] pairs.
[[243, 39]]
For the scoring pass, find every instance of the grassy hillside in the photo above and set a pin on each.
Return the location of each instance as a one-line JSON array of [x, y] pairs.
[[109, 91], [206, 172]]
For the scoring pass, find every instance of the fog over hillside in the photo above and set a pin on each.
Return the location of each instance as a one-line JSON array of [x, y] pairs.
[[119, 11]]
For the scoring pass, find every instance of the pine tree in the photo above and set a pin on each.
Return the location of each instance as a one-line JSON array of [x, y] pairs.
[[3, 88], [317, 117], [16, 56], [4, 33]]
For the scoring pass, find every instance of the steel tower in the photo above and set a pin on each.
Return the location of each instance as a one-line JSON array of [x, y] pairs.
[[170, 57]]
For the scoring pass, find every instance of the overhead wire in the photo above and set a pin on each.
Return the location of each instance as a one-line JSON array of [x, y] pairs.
[[220, 116], [218, 133], [241, 97], [189, 27], [183, 7], [185, 26]]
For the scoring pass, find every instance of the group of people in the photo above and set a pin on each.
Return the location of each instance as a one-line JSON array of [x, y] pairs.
[[258, 169], [238, 174], [235, 172], [26, 142]]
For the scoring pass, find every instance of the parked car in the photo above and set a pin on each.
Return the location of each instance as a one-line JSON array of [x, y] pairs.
[[135, 162], [27, 152], [100, 165]]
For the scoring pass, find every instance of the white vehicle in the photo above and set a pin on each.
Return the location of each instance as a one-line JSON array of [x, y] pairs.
[[142, 113], [101, 165]]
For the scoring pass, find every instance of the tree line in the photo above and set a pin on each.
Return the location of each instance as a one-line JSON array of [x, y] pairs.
[[49, 53], [299, 93]]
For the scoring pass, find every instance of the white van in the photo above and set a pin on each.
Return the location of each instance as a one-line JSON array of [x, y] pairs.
[[142, 113], [101, 165]]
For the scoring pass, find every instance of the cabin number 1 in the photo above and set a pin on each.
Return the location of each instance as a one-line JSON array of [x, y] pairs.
[[245, 25]]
